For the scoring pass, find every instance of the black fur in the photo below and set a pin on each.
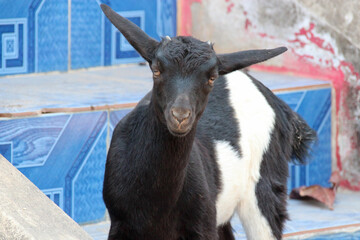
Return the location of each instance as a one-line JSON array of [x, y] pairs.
[[290, 140], [161, 178], [151, 174]]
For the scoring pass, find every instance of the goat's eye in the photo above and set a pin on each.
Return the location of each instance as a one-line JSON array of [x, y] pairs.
[[211, 81], [156, 73]]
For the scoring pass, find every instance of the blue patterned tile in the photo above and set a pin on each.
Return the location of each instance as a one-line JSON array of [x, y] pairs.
[[86, 34], [87, 183], [56, 195], [154, 17], [122, 51], [166, 18], [51, 36], [13, 46], [32, 139], [95, 41], [6, 150], [88, 141], [64, 155], [34, 33], [320, 162], [17, 9], [293, 99]]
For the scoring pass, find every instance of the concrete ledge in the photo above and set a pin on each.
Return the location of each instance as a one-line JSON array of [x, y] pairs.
[[26, 213], [104, 89]]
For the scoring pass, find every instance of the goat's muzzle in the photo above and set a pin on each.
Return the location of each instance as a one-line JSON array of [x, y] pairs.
[[179, 121], [180, 114]]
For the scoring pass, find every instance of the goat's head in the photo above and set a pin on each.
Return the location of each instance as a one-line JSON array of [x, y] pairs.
[[184, 70]]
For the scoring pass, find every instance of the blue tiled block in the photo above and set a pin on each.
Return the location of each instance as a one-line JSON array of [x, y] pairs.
[[64, 155], [315, 107]]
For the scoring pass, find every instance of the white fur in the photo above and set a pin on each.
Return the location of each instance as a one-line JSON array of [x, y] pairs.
[[239, 175]]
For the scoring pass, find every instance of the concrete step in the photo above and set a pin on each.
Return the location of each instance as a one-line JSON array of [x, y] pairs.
[[26, 213]]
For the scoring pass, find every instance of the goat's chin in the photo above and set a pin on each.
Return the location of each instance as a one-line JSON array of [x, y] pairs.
[[178, 132]]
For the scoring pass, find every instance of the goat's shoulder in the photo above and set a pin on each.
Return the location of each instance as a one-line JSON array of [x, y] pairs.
[[129, 129], [219, 119], [135, 116]]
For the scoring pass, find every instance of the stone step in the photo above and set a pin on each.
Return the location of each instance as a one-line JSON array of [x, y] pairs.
[[26, 213]]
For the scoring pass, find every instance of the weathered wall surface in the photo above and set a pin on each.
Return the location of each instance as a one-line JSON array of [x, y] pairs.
[[323, 38]]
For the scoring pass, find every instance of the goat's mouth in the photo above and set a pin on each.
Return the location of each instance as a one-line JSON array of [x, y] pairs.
[[176, 133], [179, 130]]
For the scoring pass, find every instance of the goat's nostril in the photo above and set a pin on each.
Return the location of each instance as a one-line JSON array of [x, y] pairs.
[[180, 114]]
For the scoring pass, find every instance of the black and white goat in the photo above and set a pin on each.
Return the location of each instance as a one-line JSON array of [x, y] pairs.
[[200, 146]]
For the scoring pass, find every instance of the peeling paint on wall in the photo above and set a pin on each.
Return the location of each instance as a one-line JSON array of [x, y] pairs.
[[317, 50]]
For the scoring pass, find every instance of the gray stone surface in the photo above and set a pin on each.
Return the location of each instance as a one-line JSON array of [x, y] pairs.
[[26, 213]]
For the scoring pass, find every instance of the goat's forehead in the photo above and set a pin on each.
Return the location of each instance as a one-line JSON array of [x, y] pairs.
[[185, 50]]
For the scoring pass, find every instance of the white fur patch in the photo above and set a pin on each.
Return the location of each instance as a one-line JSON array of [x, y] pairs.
[[239, 176]]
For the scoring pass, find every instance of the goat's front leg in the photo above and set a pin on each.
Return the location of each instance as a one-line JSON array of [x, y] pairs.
[[225, 232], [200, 221], [205, 230], [115, 233], [262, 212]]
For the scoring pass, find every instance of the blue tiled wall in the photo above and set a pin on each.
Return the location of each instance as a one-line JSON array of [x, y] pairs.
[[34, 33]]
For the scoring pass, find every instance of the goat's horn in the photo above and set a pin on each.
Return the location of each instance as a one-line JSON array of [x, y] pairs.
[[168, 38], [208, 42], [144, 44]]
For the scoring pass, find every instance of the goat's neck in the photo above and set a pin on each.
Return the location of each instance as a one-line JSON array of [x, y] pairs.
[[169, 155], [175, 150]]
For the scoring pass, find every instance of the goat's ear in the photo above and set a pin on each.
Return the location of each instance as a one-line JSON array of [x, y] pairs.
[[144, 44], [238, 60]]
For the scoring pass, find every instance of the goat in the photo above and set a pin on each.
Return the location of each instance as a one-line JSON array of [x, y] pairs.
[[200, 146]]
